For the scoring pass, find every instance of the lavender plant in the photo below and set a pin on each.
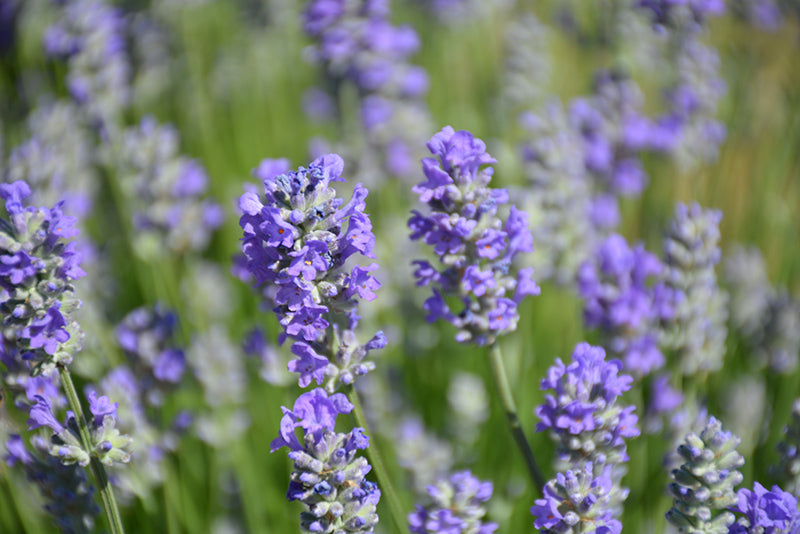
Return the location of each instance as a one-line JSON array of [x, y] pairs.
[[90, 35], [298, 237], [476, 248], [38, 268], [166, 189], [359, 49], [577, 501], [621, 299], [696, 331], [328, 477], [586, 423], [457, 506], [703, 485]]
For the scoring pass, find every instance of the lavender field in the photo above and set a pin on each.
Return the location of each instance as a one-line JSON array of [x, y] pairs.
[[425, 266]]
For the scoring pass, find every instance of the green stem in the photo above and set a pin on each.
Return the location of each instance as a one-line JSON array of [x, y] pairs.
[[501, 380], [106, 493], [377, 464]]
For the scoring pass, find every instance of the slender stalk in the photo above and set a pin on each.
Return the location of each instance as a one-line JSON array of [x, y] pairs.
[[106, 493], [384, 480], [510, 407]]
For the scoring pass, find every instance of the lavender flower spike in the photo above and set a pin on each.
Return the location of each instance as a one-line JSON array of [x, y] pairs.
[[582, 413], [703, 485], [697, 329], [475, 246], [457, 506], [298, 238], [619, 300], [328, 477], [577, 501], [37, 269]]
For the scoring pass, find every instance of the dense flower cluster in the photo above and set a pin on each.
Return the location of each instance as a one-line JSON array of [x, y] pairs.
[[328, 477], [588, 426], [167, 188], [69, 499], [620, 299], [91, 35], [696, 331], [577, 502], [476, 247], [766, 512], [298, 238], [703, 487], [582, 414], [457, 506], [355, 42], [37, 270]]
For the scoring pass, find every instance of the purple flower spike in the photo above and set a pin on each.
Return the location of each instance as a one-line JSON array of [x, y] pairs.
[[475, 245], [37, 269], [622, 299], [298, 238], [457, 505]]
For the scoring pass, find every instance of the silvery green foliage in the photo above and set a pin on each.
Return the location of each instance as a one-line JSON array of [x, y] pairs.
[[697, 331], [69, 499], [558, 195], [703, 487], [527, 65], [787, 471]]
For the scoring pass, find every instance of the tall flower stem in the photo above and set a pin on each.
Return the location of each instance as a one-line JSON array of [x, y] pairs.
[[510, 407], [384, 481], [106, 493]]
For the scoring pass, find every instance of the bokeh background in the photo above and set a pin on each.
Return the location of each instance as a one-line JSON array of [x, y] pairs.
[[231, 77]]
